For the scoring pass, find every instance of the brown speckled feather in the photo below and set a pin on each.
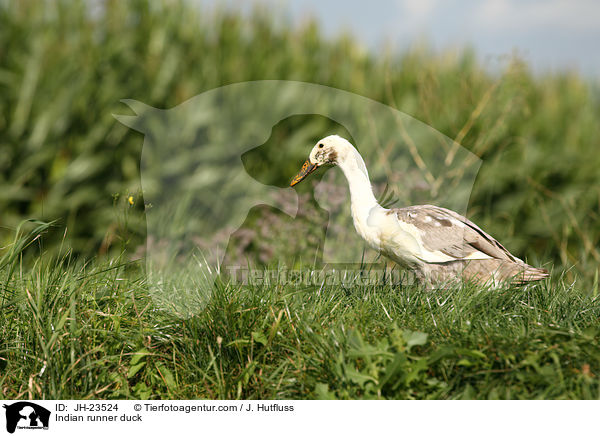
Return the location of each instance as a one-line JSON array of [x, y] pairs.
[[448, 232], [442, 231]]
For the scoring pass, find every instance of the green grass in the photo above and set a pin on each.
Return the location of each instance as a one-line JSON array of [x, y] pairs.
[[80, 331], [77, 319], [63, 156]]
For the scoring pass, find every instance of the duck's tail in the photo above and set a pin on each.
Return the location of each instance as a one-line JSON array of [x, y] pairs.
[[531, 274]]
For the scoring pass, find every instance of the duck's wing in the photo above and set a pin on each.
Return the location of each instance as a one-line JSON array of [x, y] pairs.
[[447, 235]]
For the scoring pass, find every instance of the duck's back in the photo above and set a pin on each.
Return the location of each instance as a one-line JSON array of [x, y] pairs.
[[450, 246]]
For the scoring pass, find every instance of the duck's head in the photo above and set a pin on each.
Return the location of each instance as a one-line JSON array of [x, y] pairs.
[[330, 150]]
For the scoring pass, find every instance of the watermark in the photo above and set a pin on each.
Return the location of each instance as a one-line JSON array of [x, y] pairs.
[[240, 275], [215, 174], [25, 415], [160, 417]]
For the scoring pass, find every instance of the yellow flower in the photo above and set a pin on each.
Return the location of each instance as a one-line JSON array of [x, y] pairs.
[[130, 200]]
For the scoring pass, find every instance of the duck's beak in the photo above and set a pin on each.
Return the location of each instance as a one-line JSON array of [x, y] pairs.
[[307, 168]]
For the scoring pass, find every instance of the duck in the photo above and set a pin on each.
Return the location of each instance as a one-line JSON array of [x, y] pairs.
[[437, 244]]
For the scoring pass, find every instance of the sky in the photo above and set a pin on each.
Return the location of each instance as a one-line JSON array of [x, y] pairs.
[[549, 34]]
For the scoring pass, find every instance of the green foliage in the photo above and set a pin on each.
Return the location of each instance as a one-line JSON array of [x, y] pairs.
[[71, 330], [74, 328], [383, 370], [64, 68]]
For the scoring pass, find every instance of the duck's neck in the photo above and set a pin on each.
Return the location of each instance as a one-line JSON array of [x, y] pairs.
[[361, 193]]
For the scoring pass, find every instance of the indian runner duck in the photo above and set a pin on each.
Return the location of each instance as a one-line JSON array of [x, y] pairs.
[[438, 244]]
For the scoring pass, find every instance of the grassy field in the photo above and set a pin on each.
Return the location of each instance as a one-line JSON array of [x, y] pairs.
[[72, 330], [77, 316], [63, 156]]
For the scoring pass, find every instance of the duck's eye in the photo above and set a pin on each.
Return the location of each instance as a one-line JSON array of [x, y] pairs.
[[321, 146]]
